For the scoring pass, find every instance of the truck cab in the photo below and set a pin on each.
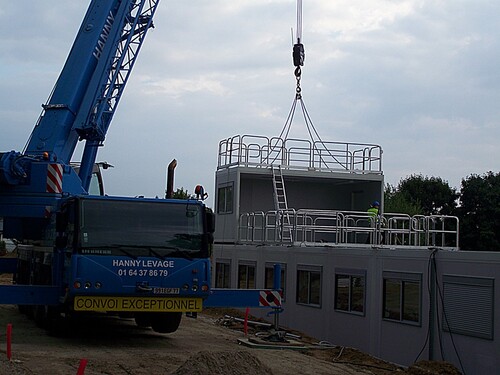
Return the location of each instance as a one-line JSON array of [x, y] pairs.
[[140, 256]]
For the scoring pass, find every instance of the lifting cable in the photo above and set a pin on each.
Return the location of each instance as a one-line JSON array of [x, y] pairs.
[[298, 55]]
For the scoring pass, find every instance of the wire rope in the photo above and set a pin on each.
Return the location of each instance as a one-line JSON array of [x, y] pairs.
[[298, 55]]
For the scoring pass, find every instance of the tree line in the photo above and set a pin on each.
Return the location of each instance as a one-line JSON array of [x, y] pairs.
[[477, 205]]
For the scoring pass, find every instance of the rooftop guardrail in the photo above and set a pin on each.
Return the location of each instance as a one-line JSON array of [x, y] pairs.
[[299, 154], [349, 228]]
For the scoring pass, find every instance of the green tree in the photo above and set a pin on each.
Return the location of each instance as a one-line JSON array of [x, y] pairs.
[[433, 195], [181, 194], [479, 212], [396, 202]]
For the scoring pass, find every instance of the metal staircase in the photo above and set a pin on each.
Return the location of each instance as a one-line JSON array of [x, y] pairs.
[[280, 204]]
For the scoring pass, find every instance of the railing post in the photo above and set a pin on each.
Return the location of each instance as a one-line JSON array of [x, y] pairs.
[[277, 286], [277, 276]]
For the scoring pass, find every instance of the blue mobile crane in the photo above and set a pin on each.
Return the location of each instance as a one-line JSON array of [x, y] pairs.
[[80, 253]]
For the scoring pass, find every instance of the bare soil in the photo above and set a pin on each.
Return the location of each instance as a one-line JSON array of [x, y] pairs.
[[117, 346]]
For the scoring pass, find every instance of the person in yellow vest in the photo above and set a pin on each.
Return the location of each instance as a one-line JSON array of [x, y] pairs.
[[374, 208], [374, 212]]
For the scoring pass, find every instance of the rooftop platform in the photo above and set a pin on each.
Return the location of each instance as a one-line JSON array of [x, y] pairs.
[[299, 154]]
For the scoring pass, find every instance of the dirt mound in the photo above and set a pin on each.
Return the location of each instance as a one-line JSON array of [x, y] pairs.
[[227, 363], [432, 367]]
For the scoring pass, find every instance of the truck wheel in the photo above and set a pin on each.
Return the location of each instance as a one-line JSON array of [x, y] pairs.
[[49, 318], [57, 325], [23, 309], [143, 319], [40, 315], [166, 322]]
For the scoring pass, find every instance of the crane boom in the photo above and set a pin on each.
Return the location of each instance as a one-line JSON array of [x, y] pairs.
[[92, 81], [80, 108]]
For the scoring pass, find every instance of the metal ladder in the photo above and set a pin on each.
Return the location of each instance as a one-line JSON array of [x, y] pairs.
[[281, 206]]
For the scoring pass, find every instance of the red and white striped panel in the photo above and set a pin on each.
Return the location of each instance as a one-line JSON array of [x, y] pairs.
[[54, 178], [270, 298]]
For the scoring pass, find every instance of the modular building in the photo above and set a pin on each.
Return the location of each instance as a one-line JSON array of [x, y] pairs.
[[396, 286]]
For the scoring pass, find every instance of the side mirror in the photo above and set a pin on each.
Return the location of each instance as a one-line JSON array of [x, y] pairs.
[[61, 221], [61, 225], [210, 217]]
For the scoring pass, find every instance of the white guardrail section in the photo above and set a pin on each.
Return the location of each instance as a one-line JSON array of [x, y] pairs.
[[313, 227], [260, 151]]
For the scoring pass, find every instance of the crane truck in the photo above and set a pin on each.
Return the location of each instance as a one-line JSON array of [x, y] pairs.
[[78, 252]]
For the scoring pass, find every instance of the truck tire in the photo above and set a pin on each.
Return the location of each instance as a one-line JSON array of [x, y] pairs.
[[166, 322], [40, 315], [50, 319], [24, 309], [57, 325], [143, 320]]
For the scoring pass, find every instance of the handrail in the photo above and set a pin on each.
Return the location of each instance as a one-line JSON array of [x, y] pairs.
[[299, 154], [350, 228]]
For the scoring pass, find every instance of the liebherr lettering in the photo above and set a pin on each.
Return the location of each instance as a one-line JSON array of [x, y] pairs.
[[104, 36], [137, 304]]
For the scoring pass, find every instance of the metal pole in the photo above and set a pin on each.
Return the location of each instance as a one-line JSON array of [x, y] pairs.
[[277, 286], [432, 307]]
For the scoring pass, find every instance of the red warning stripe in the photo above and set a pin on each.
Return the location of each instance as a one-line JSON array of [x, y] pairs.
[[54, 178], [269, 298]]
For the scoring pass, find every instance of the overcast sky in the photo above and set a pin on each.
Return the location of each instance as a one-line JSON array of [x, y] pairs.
[[421, 78]]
